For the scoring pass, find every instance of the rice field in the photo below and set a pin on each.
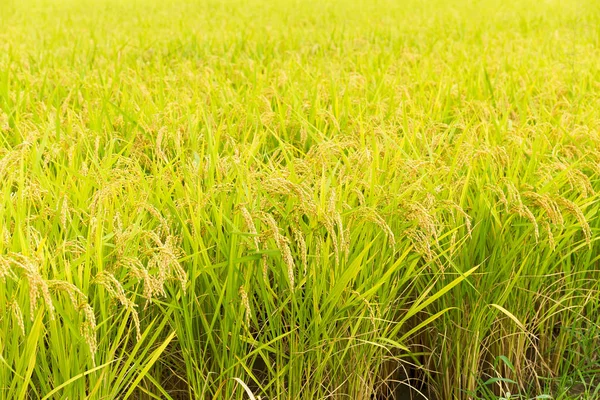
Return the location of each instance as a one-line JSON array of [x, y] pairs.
[[342, 199]]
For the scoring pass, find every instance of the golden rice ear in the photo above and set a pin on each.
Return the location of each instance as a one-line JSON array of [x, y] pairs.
[[120, 237], [467, 218], [514, 196], [88, 329], [582, 182], [173, 252], [524, 211], [6, 236], [164, 257], [551, 240], [282, 244], [38, 287], [159, 144], [247, 217], [115, 289], [280, 185], [301, 243], [8, 161], [573, 209], [374, 311], [80, 303], [17, 315], [371, 215], [330, 228], [5, 270], [576, 178], [152, 286], [84, 169], [360, 196], [546, 203], [421, 243], [332, 219], [265, 263], [164, 223], [288, 260], [246, 305], [65, 213], [500, 193], [97, 148], [423, 217], [4, 121]]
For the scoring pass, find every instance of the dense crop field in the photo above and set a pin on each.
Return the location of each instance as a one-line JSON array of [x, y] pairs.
[[299, 200]]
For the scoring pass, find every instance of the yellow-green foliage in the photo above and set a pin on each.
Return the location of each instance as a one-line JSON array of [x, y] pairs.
[[298, 200]]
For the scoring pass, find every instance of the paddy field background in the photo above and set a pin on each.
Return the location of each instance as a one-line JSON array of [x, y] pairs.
[[299, 200]]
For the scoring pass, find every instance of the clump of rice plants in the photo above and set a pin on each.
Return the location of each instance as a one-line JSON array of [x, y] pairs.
[[299, 200]]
